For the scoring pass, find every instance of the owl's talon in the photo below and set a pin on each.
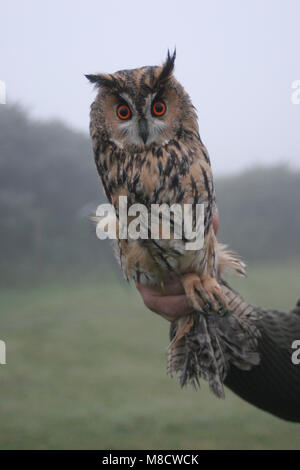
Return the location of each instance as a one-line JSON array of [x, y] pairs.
[[207, 307], [192, 286], [222, 312], [196, 303], [162, 286], [204, 294], [213, 288]]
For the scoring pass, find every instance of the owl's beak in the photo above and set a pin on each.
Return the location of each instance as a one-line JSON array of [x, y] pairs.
[[143, 129]]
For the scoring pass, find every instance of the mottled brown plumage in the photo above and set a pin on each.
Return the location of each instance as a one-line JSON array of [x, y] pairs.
[[156, 159]]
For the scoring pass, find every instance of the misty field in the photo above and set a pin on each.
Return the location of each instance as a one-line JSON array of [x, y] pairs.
[[86, 370]]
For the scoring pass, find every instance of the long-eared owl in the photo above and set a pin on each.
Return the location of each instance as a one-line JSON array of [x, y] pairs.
[[147, 147]]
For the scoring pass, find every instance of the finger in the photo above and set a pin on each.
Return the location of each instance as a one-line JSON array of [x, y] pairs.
[[175, 306], [148, 290], [214, 303], [172, 307], [173, 287]]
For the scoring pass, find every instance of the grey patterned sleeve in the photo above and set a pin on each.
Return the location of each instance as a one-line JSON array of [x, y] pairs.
[[274, 384]]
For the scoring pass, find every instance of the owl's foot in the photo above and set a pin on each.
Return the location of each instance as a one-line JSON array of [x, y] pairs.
[[204, 294], [193, 288], [215, 294]]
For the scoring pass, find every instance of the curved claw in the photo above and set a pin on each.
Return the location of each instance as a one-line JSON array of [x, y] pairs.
[[204, 294]]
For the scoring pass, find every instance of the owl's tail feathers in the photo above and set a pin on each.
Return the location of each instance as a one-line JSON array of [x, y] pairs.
[[228, 260]]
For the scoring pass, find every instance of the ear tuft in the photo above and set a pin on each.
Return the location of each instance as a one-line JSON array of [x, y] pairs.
[[92, 78], [101, 80], [167, 67]]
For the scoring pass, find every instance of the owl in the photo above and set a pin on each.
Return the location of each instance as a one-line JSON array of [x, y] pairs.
[[147, 147]]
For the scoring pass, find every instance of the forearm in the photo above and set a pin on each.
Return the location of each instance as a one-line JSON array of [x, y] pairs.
[[274, 384]]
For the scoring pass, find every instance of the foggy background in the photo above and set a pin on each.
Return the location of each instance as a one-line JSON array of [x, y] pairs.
[[85, 360], [236, 59]]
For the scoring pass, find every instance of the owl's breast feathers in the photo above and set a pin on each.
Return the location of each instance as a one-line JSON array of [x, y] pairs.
[[176, 173]]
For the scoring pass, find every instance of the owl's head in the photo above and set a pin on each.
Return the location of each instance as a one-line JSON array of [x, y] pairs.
[[141, 107]]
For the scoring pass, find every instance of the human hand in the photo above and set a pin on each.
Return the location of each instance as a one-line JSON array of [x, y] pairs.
[[172, 303]]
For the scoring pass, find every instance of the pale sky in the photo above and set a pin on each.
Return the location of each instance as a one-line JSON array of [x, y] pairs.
[[236, 58]]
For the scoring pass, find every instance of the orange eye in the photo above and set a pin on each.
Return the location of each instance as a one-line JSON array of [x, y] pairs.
[[159, 108], [123, 111]]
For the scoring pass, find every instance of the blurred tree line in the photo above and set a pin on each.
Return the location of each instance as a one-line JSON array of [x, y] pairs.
[[49, 187]]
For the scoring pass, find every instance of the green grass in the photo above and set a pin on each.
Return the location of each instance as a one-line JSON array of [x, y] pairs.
[[86, 370]]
